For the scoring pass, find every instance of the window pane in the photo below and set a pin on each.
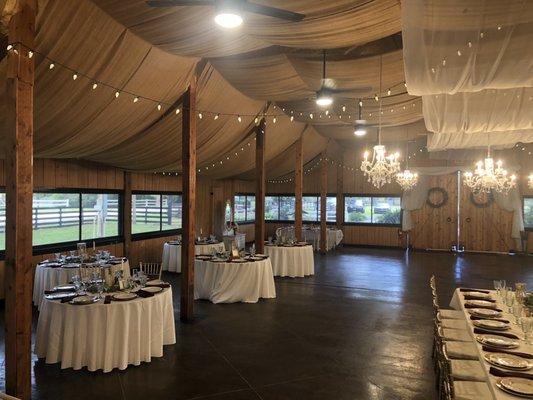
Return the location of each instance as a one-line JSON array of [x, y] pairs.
[[100, 215], [56, 218], [172, 204], [271, 208], [286, 208], [250, 208], [239, 208], [358, 209], [2, 221], [145, 213], [386, 210], [310, 206], [528, 212], [331, 209]]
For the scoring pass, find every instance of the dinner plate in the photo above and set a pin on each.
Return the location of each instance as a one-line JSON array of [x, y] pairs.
[[239, 260], [480, 303], [59, 295], [65, 288], [507, 361], [261, 255], [124, 296], [203, 258], [497, 341], [518, 385], [491, 324], [255, 258], [477, 294], [484, 312], [154, 282], [81, 300], [152, 289]]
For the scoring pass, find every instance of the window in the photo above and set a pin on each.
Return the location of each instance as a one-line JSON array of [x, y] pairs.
[[286, 208], [528, 212], [271, 208], [244, 208], [71, 216], [311, 208], [155, 212], [384, 210], [331, 209]]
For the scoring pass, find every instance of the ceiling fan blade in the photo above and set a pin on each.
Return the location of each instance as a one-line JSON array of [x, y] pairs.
[[273, 12], [177, 3]]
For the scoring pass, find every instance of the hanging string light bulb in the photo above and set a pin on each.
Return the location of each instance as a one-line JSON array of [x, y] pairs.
[[381, 168]]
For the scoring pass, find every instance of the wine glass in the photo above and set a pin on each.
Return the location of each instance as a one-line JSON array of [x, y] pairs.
[[509, 300], [497, 286], [517, 311], [525, 324]]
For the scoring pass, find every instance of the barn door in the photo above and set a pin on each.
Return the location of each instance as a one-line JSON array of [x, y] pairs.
[[484, 225], [435, 225]]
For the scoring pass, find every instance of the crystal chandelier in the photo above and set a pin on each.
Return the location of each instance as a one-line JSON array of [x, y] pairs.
[[407, 179], [382, 168], [487, 177]]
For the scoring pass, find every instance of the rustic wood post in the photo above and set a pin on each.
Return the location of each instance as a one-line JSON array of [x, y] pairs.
[[126, 215], [188, 162], [323, 203], [340, 193], [260, 186], [19, 198], [298, 189]]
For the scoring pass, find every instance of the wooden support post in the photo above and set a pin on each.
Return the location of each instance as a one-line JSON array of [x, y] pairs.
[[340, 194], [260, 186], [298, 189], [19, 198], [188, 162], [126, 215], [323, 204]]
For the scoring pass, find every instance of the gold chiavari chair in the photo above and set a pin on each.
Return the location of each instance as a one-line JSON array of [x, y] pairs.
[[152, 270]]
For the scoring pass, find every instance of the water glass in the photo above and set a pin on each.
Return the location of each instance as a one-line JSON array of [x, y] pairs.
[[525, 324], [517, 312], [497, 286], [509, 300]]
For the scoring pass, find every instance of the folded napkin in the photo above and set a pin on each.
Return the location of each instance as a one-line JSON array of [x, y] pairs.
[[67, 299], [514, 353], [474, 290], [142, 293], [108, 299], [479, 298], [488, 332], [509, 374], [487, 307], [52, 291], [162, 285], [474, 318]]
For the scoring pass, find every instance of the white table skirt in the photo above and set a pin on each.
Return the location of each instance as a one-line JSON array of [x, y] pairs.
[[334, 238], [291, 261], [47, 278], [234, 282], [172, 254], [105, 336], [457, 303]]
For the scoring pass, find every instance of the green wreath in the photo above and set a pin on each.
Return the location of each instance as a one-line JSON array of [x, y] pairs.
[[444, 196]]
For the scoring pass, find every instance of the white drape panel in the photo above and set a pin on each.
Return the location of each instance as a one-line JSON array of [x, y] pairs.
[[512, 202], [462, 140], [467, 45], [484, 111]]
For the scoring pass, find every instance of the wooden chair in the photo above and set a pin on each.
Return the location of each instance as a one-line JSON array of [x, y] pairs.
[[152, 270]]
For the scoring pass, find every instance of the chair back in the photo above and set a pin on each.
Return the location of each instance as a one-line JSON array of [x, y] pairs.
[[152, 270], [4, 396]]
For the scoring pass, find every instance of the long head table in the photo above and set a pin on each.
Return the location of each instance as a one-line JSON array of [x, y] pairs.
[[458, 303], [105, 336]]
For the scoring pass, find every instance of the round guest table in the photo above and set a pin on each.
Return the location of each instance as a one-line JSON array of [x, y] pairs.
[[48, 276], [231, 282], [293, 261], [334, 238], [172, 253], [105, 336]]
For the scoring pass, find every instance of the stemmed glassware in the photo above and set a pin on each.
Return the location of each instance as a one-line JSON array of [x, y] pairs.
[[509, 300], [517, 311], [526, 325], [497, 286]]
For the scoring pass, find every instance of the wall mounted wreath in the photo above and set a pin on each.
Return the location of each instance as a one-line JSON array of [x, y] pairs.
[[482, 200], [437, 197]]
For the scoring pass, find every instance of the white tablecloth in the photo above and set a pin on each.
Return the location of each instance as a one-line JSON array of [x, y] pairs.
[[291, 261], [457, 303], [234, 282], [47, 278], [172, 254], [105, 336], [334, 238]]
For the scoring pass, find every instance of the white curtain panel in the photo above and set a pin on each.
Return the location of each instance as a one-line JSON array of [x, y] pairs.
[[467, 45], [512, 202], [462, 140]]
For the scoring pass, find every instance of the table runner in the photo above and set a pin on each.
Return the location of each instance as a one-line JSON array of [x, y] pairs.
[[105, 336], [172, 254]]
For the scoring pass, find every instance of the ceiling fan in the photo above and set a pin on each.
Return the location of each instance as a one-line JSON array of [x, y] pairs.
[[324, 96], [229, 12]]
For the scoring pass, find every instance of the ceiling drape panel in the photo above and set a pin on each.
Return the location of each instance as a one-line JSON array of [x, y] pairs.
[[466, 46], [190, 30], [462, 140], [484, 111]]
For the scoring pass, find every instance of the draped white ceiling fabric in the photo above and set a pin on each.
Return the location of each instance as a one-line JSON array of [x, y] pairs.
[[472, 63]]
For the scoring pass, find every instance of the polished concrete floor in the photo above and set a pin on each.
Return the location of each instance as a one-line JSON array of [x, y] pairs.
[[359, 329]]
